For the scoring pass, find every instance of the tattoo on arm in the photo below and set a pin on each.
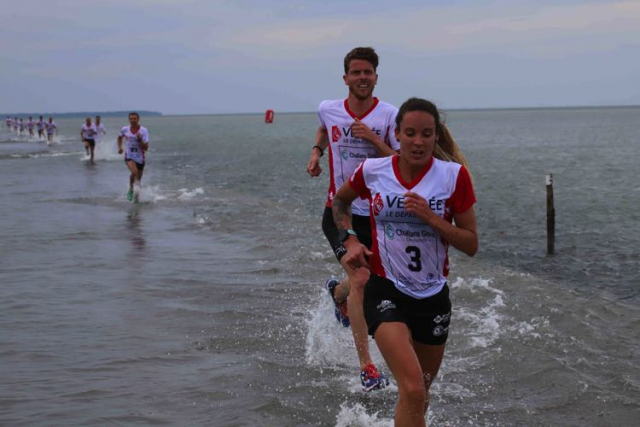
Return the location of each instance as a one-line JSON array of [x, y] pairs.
[[341, 214]]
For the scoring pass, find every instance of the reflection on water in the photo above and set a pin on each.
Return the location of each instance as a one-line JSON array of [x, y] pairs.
[[134, 229]]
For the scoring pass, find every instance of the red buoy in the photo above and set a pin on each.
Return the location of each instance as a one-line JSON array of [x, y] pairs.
[[268, 116]]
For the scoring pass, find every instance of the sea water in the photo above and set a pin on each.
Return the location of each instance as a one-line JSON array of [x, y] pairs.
[[203, 304]]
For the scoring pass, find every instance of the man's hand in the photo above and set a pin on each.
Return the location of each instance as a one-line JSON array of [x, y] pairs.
[[362, 131], [313, 166]]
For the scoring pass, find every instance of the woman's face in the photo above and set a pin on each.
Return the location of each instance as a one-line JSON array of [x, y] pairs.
[[417, 136]]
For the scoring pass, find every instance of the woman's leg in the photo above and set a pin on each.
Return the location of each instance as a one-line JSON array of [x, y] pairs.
[[395, 344], [430, 357]]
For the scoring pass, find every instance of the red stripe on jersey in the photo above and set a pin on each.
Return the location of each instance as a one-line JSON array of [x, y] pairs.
[[332, 183], [396, 171], [463, 196], [352, 114], [359, 186], [374, 262]]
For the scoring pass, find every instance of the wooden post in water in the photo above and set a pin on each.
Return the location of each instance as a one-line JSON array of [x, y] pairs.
[[551, 216]]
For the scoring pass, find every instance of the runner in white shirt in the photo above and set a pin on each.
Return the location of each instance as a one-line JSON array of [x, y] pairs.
[[8, 123], [102, 131], [414, 198], [21, 127], [16, 124], [51, 130], [353, 129], [137, 138], [88, 134], [30, 125], [41, 125]]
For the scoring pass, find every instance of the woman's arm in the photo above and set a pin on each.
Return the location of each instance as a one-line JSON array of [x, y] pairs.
[[462, 236], [357, 253]]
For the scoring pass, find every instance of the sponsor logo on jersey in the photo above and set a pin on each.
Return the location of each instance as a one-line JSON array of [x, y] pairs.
[[335, 134], [385, 305], [388, 231], [344, 154], [378, 204]]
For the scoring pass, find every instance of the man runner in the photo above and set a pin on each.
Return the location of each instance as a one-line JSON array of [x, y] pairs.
[[41, 125], [354, 129], [137, 138], [51, 130], [88, 133]]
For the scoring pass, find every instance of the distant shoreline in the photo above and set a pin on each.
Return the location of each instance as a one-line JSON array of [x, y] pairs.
[[569, 107], [146, 113], [85, 114]]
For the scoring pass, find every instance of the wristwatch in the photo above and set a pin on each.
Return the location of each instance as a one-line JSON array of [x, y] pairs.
[[344, 234]]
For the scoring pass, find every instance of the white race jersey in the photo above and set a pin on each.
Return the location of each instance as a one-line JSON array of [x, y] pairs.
[[41, 125], [133, 150], [346, 153], [89, 132], [51, 127], [30, 124], [101, 131], [406, 250]]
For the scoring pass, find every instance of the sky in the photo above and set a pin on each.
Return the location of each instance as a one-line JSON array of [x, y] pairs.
[[244, 56]]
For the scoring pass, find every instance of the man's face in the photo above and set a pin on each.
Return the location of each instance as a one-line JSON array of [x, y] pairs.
[[361, 79], [134, 120]]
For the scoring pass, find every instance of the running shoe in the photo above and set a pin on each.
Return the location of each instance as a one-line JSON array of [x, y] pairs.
[[130, 195], [371, 379], [340, 309]]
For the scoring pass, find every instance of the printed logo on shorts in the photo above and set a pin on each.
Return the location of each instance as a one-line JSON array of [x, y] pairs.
[[440, 319], [335, 133], [378, 204], [385, 305], [440, 330]]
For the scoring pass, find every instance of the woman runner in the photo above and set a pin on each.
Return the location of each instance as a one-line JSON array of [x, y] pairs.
[[415, 198]]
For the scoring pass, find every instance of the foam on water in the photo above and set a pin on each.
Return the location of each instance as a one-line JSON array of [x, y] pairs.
[[357, 416], [483, 324], [186, 194], [156, 193], [104, 150]]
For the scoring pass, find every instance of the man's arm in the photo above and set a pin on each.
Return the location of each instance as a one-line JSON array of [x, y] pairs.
[[362, 131], [321, 143]]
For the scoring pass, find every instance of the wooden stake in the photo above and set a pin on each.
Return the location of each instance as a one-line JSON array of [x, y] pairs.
[[551, 216]]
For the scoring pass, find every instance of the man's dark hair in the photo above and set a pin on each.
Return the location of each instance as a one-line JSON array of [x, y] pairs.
[[364, 53], [133, 113]]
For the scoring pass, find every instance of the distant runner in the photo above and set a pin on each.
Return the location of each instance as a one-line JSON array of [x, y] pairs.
[[51, 130], [30, 125], [88, 134], [137, 138], [102, 131], [41, 125]]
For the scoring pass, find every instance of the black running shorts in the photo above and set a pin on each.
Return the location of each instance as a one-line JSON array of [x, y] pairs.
[[139, 166], [361, 225], [427, 319]]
